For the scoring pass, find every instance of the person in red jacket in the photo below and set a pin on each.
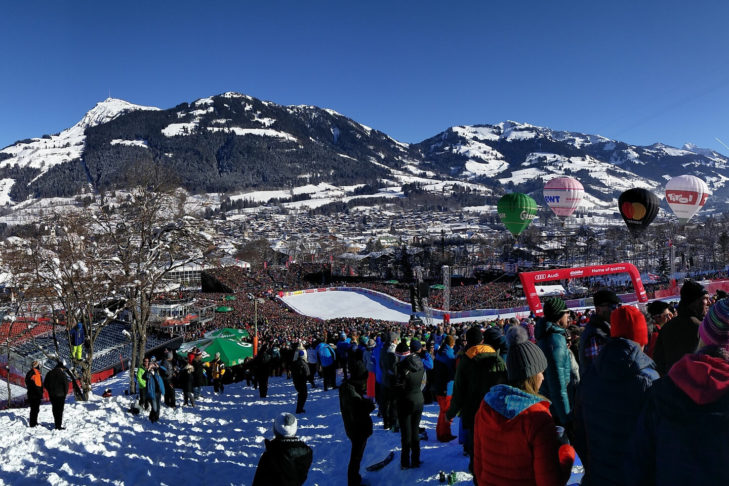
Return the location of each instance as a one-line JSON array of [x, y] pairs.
[[516, 442]]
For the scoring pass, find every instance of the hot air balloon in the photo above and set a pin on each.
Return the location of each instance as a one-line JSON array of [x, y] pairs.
[[563, 195], [686, 194], [516, 211], [639, 208]]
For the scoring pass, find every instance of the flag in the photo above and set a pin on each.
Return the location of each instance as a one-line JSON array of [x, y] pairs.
[[653, 276]]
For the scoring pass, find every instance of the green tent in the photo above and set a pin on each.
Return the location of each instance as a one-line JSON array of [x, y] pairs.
[[231, 352], [229, 297], [437, 286], [392, 282], [223, 308], [228, 333]]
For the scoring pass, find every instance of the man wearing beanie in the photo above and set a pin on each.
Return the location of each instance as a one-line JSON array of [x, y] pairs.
[[478, 370], [680, 335], [287, 459], [515, 438], [551, 335], [410, 373], [611, 396], [682, 436], [597, 330]]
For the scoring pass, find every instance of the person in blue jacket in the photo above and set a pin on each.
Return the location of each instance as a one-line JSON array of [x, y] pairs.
[[343, 347], [682, 434], [78, 336], [611, 396], [155, 387], [550, 332], [328, 361]]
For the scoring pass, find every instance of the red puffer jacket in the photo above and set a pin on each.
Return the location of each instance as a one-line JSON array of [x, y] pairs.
[[515, 441]]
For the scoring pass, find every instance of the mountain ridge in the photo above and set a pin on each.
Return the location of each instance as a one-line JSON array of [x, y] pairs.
[[233, 143]]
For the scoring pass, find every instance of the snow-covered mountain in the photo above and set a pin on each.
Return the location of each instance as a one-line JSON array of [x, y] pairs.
[[233, 143]]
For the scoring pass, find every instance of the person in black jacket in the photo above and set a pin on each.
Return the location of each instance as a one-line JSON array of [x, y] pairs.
[[356, 409], [287, 459], [263, 362], [198, 375], [300, 374], [57, 385], [34, 385], [682, 436], [409, 393], [611, 396]]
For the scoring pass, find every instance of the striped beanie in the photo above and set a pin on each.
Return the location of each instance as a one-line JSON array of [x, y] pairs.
[[714, 329]]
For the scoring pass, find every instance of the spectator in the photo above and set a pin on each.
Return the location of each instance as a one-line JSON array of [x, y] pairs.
[[356, 409], [479, 369], [444, 371], [34, 385], [515, 440], [287, 459], [56, 384], [611, 397], [551, 339], [409, 378], [300, 374], [682, 435], [597, 330], [680, 335]]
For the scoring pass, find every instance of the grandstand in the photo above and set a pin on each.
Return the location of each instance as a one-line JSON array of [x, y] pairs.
[[112, 350]]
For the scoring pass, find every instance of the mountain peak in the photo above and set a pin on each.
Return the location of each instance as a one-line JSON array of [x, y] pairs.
[[107, 110]]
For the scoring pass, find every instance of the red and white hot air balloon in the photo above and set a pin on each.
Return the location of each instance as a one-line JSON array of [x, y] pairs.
[[686, 194], [563, 195]]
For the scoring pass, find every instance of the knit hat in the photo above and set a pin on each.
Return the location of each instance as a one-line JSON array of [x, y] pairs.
[[363, 340], [415, 346], [554, 308], [692, 290], [217, 355], [474, 336], [35, 363], [525, 359], [371, 344], [714, 329], [629, 323], [402, 349], [605, 296], [394, 336], [285, 425]]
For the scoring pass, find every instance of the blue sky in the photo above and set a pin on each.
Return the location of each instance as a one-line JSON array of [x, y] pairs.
[[637, 71]]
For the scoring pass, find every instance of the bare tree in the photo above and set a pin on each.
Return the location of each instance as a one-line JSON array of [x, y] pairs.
[[65, 267], [149, 235]]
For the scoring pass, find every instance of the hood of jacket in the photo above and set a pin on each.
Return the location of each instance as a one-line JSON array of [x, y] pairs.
[[620, 358], [480, 351], [411, 363], [509, 401], [545, 327], [704, 379]]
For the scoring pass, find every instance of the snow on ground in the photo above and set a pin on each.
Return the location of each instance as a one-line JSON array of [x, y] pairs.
[[339, 303], [218, 442]]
